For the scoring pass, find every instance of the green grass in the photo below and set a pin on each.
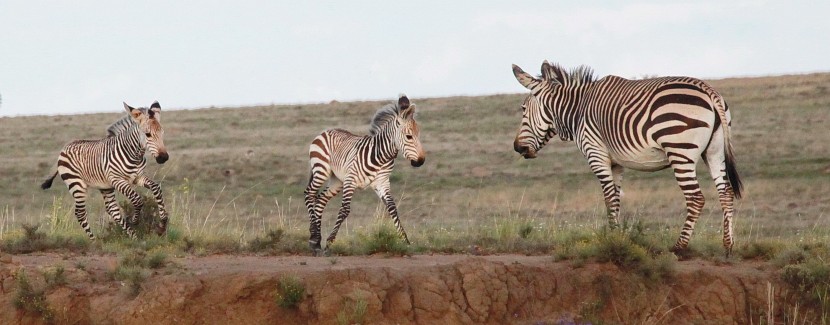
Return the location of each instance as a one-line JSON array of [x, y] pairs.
[[290, 292], [31, 300]]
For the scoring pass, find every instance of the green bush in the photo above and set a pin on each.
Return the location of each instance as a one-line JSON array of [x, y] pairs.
[[30, 300], [290, 292]]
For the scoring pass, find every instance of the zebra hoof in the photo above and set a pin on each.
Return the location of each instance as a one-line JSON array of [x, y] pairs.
[[682, 253]]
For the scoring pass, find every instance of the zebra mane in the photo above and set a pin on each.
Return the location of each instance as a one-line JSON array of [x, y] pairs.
[[122, 124], [578, 76], [383, 116]]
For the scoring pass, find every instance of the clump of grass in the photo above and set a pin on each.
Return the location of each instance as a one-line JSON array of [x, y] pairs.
[[763, 250], [525, 230], [34, 240], [55, 277], [290, 292], [806, 270], [353, 312], [148, 217], [30, 300], [383, 239], [134, 267], [268, 243]]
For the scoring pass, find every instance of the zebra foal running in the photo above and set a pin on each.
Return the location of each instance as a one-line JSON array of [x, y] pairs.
[[645, 125], [115, 163], [356, 162]]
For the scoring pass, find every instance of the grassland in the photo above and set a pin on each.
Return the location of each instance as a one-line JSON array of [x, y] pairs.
[[238, 173]]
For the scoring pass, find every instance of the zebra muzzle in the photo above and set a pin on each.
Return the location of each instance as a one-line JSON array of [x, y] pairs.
[[417, 163], [162, 158]]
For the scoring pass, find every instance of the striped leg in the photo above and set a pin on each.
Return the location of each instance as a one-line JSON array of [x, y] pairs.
[[382, 189], [79, 193], [686, 177], [135, 199], [114, 211], [717, 168], [345, 209], [319, 176], [156, 189], [600, 164]]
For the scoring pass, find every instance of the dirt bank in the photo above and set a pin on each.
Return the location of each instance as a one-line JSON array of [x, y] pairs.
[[402, 290]]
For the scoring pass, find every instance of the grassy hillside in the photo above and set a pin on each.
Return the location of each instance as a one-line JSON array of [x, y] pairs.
[[242, 170]]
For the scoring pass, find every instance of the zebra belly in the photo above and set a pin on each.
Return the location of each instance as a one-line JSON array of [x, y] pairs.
[[649, 159]]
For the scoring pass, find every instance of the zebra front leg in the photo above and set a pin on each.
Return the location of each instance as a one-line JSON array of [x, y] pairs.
[[687, 179], [79, 195], [601, 166], [156, 189], [115, 211], [135, 199], [384, 194], [345, 209]]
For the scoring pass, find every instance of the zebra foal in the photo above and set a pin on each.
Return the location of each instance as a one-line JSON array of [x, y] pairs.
[[115, 163], [356, 162], [645, 125]]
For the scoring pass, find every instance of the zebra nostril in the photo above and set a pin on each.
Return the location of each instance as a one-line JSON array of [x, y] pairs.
[[162, 158]]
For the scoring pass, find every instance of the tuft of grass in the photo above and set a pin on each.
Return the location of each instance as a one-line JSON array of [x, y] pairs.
[[763, 250], [290, 292], [55, 277], [30, 300], [33, 239], [811, 279], [353, 311], [134, 268], [268, 243]]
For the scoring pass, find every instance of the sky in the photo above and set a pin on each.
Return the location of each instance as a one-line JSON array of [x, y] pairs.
[[68, 57]]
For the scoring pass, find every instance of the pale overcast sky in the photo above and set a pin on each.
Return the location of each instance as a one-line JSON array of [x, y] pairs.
[[61, 57]]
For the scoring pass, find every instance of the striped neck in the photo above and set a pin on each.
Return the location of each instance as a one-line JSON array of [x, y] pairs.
[[385, 146], [131, 142]]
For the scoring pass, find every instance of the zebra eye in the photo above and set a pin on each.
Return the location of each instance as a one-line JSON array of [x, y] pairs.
[[409, 137], [148, 134]]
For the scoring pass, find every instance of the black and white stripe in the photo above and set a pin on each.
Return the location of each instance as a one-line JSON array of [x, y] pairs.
[[356, 162], [645, 125], [115, 163]]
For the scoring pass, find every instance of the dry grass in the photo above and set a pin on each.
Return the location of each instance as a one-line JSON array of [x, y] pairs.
[[238, 173]]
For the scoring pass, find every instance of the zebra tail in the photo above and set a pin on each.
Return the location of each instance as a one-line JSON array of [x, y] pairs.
[[48, 182], [731, 170]]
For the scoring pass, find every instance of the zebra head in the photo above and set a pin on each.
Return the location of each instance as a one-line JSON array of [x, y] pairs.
[[408, 137], [151, 133], [537, 123]]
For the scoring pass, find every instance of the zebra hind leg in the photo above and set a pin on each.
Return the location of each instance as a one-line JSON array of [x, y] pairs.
[[717, 168], [316, 181], [687, 180], [79, 194]]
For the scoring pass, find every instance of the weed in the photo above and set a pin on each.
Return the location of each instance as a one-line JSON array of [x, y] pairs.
[[55, 277], [269, 243], [353, 312], [290, 292], [765, 250], [383, 239], [525, 230], [30, 300]]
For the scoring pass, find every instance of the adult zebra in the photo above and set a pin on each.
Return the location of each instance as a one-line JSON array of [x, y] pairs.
[[360, 161], [646, 125], [115, 163]]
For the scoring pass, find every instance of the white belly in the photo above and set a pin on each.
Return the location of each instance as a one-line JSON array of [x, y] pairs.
[[649, 159]]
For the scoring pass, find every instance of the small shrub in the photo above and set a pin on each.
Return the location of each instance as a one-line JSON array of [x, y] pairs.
[[353, 312], [812, 280], [384, 239], [616, 248], [525, 230], [156, 260], [148, 218], [765, 250], [30, 300], [131, 276], [269, 242], [290, 292], [55, 277]]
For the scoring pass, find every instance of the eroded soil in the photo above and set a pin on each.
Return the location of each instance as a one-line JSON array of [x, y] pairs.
[[439, 289]]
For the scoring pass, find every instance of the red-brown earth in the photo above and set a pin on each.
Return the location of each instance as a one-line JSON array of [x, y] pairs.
[[422, 289]]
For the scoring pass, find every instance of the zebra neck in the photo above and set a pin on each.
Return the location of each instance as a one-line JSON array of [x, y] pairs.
[[130, 142], [567, 116], [384, 145]]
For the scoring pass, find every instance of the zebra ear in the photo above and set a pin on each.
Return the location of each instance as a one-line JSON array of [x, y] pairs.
[[525, 79], [408, 112], [135, 113], [156, 106], [403, 102], [553, 72]]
